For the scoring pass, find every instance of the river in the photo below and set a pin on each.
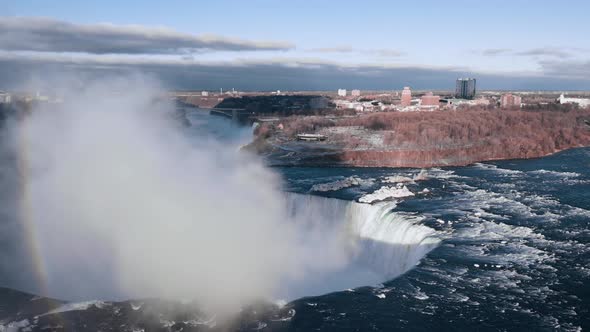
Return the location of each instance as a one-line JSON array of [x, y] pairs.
[[492, 246]]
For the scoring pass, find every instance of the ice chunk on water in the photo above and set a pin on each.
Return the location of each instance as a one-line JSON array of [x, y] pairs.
[[385, 193]]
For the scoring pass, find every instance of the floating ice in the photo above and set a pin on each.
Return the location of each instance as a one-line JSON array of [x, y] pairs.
[[397, 179], [385, 192], [423, 175], [340, 184], [22, 325]]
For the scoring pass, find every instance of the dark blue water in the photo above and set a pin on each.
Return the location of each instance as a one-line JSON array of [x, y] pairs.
[[514, 256], [515, 253]]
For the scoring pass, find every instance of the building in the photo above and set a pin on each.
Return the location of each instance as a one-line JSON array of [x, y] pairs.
[[429, 100], [582, 102], [465, 88], [406, 96], [509, 100], [204, 94], [342, 92], [355, 93]]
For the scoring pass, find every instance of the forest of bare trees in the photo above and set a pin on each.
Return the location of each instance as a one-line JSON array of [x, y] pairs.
[[457, 136]]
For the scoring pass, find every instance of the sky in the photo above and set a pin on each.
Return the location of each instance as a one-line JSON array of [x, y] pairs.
[[303, 45]]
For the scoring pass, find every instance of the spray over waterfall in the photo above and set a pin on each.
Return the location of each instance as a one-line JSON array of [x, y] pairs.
[[118, 203]]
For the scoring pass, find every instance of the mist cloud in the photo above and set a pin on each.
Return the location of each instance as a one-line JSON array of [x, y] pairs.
[[117, 201], [125, 206]]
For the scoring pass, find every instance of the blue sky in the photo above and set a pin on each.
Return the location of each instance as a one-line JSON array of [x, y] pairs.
[[522, 39]]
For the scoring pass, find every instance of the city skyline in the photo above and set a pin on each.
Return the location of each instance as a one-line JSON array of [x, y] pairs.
[[264, 45]]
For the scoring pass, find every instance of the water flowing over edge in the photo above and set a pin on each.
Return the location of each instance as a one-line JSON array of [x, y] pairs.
[[346, 244]]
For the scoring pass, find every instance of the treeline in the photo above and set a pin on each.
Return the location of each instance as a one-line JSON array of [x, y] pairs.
[[532, 131], [499, 132], [552, 107]]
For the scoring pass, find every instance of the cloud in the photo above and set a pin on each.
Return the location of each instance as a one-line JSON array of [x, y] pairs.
[[546, 51], [49, 35], [495, 51], [184, 60], [570, 69], [335, 49], [534, 52], [281, 73], [384, 52], [387, 52]]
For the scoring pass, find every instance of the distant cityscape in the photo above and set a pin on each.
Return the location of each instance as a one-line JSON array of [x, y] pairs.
[[406, 100]]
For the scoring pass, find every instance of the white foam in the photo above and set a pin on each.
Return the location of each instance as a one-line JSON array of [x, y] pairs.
[[497, 169], [210, 322], [556, 173], [76, 306], [341, 184], [385, 192], [437, 173], [397, 179], [260, 326], [22, 325], [290, 314]]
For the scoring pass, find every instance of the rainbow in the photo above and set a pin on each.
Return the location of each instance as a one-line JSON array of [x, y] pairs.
[[27, 213]]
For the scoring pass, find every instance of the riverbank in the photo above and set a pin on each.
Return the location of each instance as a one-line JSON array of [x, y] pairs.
[[423, 139]]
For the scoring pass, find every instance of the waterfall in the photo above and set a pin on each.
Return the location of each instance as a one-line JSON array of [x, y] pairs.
[[345, 244]]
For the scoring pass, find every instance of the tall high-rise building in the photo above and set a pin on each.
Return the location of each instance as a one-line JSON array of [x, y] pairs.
[[355, 93], [406, 96], [342, 92], [465, 88]]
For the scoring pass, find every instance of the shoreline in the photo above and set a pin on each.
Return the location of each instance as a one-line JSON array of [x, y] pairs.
[[289, 158], [311, 165]]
